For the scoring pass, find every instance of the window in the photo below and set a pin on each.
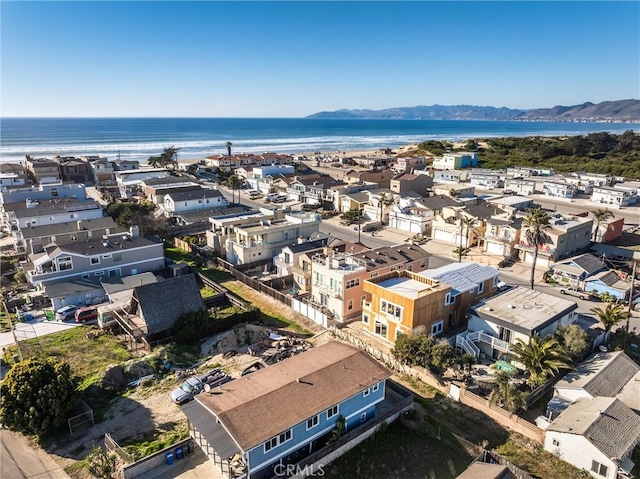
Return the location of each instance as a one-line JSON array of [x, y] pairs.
[[410, 267], [74, 237], [113, 272], [381, 329], [366, 392], [350, 305], [437, 328], [599, 469], [86, 276], [452, 318], [95, 260], [363, 417], [332, 411], [275, 441], [98, 273], [64, 263], [352, 283], [390, 309], [313, 422], [106, 256], [376, 387], [363, 299], [556, 442], [365, 318], [481, 288], [423, 263], [449, 299]]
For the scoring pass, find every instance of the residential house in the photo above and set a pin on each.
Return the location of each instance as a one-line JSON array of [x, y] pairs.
[[126, 165], [411, 215], [609, 282], [374, 161], [455, 161], [449, 176], [435, 300], [43, 192], [42, 170], [193, 199], [632, 187], [559, 190], [289, 257], [488, 180], [594, 179], [75, 292], [597, 435], [501, 235], [608, 230], [408, 163], [264, 239], [155, 189], [102, 170], [566, 236], [449, 228], [354, 201], [520, 186], [511, 204], [301, 399], [615, 253], [408, 182], [129, 180], [380, 202], [113, 255], [73, 170], [12, 174], [583, 187], [381, 178], [154, 308], [574, 271], [223, 224], [39, 213], [615, 197], [610, 374], [496, 323], [462, 190], [338, 278], [35, 238]]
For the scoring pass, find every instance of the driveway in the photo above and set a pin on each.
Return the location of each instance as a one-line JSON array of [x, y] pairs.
[[193, 466], [19, 460]]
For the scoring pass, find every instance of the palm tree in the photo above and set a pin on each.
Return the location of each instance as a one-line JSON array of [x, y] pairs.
[[506, 394], [465, 222], [541, 357], [600, 215], [154, 161], [234, 182], [536, 221], [229, 145], [169, 156], [611, 315]]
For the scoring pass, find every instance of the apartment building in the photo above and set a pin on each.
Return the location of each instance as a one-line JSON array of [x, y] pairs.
[[43, 192], [42, 170], [410, 183], [614, 197], [73, 170], [455, 161], [435, 300], [520, 186], [338, 278], [38, 213], [559, 190]]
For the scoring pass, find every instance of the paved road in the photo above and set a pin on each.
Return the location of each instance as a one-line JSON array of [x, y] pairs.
[[18, 460]]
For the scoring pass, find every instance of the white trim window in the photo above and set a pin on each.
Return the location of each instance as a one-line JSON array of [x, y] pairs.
[[376, 386], [437, 328], [275, 441], [313, 421], [599, 469], [365, 318], [481, 287], [64, 263], [95, 260], [380, 329], [366, 392], [391, 309], [363, 417], [332, 411], [449, 299]]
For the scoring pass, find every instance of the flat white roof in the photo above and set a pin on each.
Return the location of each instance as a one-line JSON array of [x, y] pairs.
[[406, 287]]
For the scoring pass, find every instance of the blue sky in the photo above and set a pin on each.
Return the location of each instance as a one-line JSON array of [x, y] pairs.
[[291, 59]]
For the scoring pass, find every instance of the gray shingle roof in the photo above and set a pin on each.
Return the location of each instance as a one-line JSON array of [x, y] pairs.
[[199, 194], [605, 374], [70, 227], [160, 304], [605, 422], [115, 244], [461, 276]]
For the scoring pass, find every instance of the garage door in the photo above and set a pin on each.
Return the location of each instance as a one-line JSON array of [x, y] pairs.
[[442, 235], [495, 248]]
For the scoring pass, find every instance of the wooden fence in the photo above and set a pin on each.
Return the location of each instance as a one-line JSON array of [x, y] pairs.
[[113, 446]]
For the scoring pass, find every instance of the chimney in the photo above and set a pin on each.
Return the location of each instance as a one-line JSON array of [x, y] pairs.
[[134, 232]]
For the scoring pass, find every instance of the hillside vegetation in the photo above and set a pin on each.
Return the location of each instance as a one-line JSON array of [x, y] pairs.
[[602, 152]]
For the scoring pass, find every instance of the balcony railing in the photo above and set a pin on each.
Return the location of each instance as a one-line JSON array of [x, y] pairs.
[[495, 343], [327, 289], [279, 262]]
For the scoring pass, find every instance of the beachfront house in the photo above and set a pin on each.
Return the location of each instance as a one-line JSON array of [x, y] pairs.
[[520, 186], [559, 190], [455, 161], [193, 199], [42, 192], [496, 323], [42, 170], [39, 213], [449, 176], [301, 401]]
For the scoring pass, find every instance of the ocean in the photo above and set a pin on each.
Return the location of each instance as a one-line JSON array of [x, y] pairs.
[[140, 138]]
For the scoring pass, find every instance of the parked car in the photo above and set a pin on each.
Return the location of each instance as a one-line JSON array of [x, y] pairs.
[[575, 292], [194, 385], [89, 313], [65, 313]]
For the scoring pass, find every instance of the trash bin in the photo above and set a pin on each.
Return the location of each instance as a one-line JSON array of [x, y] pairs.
[[189, 447], [179, 453], [169, 458]]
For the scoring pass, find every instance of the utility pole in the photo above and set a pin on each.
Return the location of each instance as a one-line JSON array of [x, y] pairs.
[[358, 223], [633, 281], [13, 331]]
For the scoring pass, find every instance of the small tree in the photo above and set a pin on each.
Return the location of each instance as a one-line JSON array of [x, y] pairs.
[[536, 222], [506, 394], [600, 215], [441, 355], [102, 464], [466, 361], [234, 182], [36, 395], [574, 339], [541, 357], [611, 315]]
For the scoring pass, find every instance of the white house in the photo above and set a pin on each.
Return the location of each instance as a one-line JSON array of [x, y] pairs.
[[611, 196], [204, 198], [496, 323], [448, 176], [520, 186], [486, 180], [559, 190], [454, 161], [597, 435], [633, 187], [39, 213]]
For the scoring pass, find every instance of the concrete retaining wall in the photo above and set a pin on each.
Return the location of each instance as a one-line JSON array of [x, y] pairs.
[[153, 461]]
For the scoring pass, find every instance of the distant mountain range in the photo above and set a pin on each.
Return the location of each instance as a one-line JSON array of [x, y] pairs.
[[619, 111]]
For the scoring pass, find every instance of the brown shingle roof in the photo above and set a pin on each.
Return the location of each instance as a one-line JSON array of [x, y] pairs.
[[255, 408]]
